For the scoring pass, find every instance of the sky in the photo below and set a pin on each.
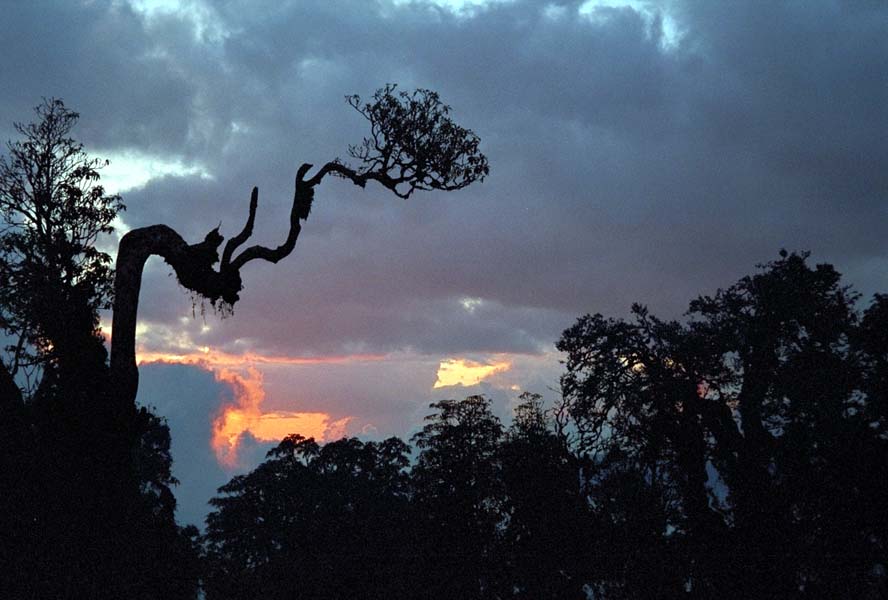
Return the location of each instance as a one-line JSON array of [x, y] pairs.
[[640, 152]]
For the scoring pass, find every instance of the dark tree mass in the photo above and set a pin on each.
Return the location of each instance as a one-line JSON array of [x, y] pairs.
[[756, 431], [739, 453], [86, 508]]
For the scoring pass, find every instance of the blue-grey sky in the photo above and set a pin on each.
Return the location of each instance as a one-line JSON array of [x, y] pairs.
[[640, 151]]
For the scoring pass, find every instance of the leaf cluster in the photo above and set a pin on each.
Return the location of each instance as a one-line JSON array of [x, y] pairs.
[[414, 144]]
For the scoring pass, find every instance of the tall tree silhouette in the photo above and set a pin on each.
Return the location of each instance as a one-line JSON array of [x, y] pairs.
[[459, 499], [756, 421], [546, 546], [86, 503], [54, 279]]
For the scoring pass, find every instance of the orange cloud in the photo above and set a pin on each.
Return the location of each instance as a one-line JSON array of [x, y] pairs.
[[210, 358], [245, 414], [460, 371]]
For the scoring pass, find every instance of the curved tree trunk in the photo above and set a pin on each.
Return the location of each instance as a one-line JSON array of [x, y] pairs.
[[194, 267], [413, 146], [189, 262]]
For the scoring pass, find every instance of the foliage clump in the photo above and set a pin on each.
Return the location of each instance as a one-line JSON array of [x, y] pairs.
[[53, 277], [740, 453], [414, 144]]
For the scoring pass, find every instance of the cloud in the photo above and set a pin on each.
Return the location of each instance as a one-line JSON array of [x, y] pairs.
[[246, 416], [245, 413], [623, 169], [626, 167], [463, 372]]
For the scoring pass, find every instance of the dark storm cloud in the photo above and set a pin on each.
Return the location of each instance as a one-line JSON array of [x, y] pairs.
[[102, 60], [625, 166]]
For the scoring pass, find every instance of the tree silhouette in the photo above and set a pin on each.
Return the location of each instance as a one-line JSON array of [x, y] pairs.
[[546, 545], [53, 279], [459, 499], [86, 503], [346, 519], [313, 522], [413, 145], [755, 425]]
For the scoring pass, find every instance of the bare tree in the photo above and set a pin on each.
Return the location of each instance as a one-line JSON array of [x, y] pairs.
[[413, 145]]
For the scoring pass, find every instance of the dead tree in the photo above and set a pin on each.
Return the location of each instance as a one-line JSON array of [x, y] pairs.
[[413, 145]]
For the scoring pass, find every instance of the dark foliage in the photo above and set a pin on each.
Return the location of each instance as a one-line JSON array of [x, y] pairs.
[[313, 522], [738, 454], [86, 509], [414, 145], [757, 430], [53, 279], [545, 547], [459, 498]]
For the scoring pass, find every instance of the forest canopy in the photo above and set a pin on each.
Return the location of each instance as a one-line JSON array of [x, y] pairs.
[[740, 453]]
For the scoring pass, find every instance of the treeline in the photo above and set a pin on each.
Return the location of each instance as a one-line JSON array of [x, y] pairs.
[[483, 512], [739, 454]]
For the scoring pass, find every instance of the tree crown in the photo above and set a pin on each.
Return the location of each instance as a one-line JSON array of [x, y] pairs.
[[414, 145], [53, 210]]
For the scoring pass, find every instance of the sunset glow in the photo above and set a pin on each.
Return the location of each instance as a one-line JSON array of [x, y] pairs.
[[245, 414], [210, 358], [459, 371]]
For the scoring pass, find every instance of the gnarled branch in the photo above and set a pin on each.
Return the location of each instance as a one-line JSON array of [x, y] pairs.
[[194, 267], [302, 199], [414, 146], [245, 233]]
